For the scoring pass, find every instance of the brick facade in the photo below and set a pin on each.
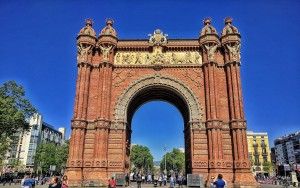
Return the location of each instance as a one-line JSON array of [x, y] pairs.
[[207, 91]]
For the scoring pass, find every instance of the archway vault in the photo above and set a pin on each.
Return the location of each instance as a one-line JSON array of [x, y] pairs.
[[157, 86]]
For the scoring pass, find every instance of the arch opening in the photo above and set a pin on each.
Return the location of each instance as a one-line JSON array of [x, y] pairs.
[[158, 87], [161, 93]]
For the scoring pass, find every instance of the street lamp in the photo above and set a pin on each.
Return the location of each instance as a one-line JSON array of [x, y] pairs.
[[165, 149]]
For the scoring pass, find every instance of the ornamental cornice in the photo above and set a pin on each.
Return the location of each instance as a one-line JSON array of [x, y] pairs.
[[118, 125], [197, 125], [131, 44], [220, 164], [238, 124], [214, 124], [82, 64], [102, 124], [242, 164], [228, 63], [78, 124]]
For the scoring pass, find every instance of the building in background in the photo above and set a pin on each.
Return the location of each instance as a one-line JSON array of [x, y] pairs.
[[25, 143], [259, 150], [287, 149], [62, 130]]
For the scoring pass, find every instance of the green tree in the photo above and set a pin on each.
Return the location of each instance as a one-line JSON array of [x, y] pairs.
[[141, 158], [51, 154], [175, 161], [267, 167], [15, 109]]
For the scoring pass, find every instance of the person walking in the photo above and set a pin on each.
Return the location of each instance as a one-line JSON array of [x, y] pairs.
[[179, 180], [127, 178], [139, 179], [54, 183], [160, 180], [112, 183], [64, 182], [220, 183], [172, 182], [165, 179]]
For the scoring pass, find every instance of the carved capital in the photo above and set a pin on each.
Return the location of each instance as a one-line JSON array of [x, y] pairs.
[[105, 51], [78, 124], [233, 52], [118, 125], [214, 124], [197, 125], [83, 52], [102, 124], [210, 50], [238, 124]]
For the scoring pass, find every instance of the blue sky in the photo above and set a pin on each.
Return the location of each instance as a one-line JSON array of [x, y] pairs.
[[38, 50]]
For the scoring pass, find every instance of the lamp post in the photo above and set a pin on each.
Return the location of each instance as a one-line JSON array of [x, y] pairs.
[[165, 149]]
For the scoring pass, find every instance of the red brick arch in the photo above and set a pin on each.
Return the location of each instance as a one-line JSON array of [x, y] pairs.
[[199, 76]]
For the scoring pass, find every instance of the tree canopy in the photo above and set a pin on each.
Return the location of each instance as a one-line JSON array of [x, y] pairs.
[[51, 154], [15, 109], [141, 158], [175, 161]]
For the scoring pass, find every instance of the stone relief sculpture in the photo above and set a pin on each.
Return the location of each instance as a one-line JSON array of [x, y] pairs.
[[83, 50], [157, 57], [105, 51], [211, 51], [234, 51]]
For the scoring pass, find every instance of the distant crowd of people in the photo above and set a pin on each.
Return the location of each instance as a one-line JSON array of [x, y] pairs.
[[161, 180], [56, 182]]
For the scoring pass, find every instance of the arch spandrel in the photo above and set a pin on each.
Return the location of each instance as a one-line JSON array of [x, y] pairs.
[[154, 80]]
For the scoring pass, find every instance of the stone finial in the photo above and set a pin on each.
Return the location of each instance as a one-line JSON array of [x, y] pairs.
[[229, 28], [108, 30], [208, 29], [89, 22], [207, 21], [87, 29], [228, 20], [109, 21]]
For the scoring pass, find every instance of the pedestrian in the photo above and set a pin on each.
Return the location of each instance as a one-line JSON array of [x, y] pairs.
[[139, 180], [212, 181], [54, 183], [27, 182], [127, 179], [160, 180], [64, 182], [165, 179], [112, 183], [179, 180], [220, 183], [172, 180]]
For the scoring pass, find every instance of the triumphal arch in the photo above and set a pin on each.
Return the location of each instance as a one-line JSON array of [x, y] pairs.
[[200, 76]]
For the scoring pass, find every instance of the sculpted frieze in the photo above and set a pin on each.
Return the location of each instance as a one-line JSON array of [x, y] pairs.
[[157, 57]]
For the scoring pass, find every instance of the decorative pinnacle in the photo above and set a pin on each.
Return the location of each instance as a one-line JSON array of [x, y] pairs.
[[89, 22], [228, 20], [109, 21], [207, 21]]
